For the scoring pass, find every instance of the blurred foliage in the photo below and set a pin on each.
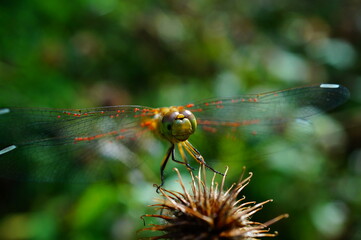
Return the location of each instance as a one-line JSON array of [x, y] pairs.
[[88, 53]]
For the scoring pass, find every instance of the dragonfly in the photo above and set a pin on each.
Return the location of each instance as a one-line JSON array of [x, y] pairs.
[[44, 144]]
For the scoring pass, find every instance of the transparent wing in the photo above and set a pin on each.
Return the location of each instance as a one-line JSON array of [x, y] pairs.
[[67, 145], [267, 113]]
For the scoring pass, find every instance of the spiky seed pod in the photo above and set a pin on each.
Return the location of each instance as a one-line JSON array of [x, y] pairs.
[[209, 213]]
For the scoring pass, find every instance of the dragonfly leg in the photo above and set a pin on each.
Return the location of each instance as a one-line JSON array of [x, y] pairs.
[[185, 162], [198, 157], [164, 163], [170, 153]]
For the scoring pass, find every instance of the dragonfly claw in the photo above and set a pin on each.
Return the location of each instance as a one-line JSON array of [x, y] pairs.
[[157, 186]]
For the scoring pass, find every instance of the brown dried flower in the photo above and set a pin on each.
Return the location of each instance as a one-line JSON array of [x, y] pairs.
[[209, 213]]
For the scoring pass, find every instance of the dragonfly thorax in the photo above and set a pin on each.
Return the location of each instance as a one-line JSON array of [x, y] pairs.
[[177, 126]]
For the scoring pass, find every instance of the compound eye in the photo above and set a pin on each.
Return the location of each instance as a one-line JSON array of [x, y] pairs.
[[168, 121], [187, 114]]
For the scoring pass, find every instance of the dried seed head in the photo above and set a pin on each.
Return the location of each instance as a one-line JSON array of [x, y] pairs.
[[209, 212]]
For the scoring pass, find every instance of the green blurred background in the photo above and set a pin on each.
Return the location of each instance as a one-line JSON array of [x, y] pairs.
[[88, 53]]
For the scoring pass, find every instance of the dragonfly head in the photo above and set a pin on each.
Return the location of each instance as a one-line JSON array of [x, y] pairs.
[[177, 126]]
